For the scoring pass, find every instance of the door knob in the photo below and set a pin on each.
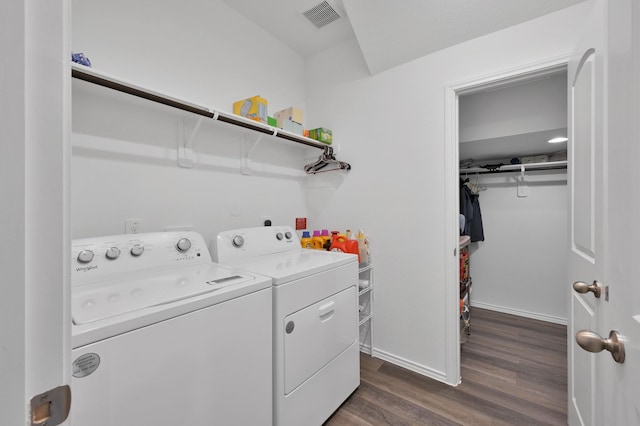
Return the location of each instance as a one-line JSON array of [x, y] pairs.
[[592, 342], [582, 287]]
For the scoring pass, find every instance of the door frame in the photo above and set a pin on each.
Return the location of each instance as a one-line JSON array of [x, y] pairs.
[[452, 202], [34, 193]]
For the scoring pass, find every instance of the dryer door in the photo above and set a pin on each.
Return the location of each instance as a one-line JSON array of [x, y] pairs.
[[317, 334]]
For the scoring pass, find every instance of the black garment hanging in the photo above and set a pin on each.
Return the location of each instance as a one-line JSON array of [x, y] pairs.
[[470, 209], [466, 207]]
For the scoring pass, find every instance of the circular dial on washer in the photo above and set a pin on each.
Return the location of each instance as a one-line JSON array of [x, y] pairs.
[[288, 235], [112, 253], [137, 250], [279, 236], [85, 256], [237, 241], [183, 245]]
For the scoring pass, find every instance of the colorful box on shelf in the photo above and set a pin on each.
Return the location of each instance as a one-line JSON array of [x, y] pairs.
[[321, 134], [254, 108], [272, 122], [292, 113]]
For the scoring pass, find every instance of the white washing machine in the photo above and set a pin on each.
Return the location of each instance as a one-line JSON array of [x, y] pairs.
[[161, 335], [315, 319]]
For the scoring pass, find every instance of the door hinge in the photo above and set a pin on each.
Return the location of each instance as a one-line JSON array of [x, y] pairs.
[[51, 408]]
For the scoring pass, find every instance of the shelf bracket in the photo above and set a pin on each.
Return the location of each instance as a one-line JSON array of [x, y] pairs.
[[247, 150], [189, 127], [523, 186]]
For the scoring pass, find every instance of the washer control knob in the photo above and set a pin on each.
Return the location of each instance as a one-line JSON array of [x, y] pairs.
[[279, 236], [112, 253], [137, 250], [288, 235], [237, 241], [183, 245], [85, 256]]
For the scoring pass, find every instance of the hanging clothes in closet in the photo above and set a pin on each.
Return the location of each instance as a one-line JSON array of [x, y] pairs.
[[470, 209]]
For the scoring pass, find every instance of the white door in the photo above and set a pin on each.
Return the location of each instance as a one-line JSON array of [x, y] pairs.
[[603, 98], [586, 174]]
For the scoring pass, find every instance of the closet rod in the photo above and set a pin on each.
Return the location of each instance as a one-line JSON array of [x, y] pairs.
[[263, 128], [507, 168], [144, 94], [95, 77]]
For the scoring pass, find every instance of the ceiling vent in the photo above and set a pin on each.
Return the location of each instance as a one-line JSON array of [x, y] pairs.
[[321, 14]]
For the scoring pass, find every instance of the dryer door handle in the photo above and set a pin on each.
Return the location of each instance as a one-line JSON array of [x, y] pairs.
[[326, 309]]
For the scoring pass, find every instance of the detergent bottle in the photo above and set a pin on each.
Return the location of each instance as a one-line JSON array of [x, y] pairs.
[[352, 244], [339, 243], [326, 239], [317, 240], [306, 241], [363, 248]]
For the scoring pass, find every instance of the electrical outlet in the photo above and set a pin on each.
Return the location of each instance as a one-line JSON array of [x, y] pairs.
[[132, 226]]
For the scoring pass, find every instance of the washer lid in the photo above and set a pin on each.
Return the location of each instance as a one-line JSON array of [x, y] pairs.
[[293, 265], [94, 302]]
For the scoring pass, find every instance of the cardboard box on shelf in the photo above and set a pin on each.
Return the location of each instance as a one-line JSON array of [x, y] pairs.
[[321, 134], [292, 126], [292, 113], [254, 108]]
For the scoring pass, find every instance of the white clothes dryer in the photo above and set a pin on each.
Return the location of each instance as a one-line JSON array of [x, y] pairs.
[[315, 319], [161, 335]]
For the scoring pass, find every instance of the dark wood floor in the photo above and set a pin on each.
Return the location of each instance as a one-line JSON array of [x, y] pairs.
[[514, 372]]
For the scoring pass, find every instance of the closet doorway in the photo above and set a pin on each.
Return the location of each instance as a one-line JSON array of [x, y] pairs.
[[497, 141], [523, 214]]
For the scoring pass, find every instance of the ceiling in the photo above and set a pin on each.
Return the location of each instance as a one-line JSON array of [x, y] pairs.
[[506, 147], [388, 32]]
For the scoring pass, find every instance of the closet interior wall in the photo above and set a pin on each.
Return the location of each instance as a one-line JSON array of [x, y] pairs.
[[520, 267]]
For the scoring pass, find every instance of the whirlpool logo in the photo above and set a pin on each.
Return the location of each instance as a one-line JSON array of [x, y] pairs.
[[86, 268]]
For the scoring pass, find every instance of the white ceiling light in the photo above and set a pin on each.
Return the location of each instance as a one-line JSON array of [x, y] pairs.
[[558, 139]]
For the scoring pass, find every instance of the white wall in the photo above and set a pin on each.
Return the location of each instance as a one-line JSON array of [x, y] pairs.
[[124, 159], [520, 268], [200, 50], [525, 108], [391, 128]]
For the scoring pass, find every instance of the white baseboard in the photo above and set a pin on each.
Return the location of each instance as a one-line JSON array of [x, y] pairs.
[[520, 313], [365, 349], [439, 375], [410, 365]]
